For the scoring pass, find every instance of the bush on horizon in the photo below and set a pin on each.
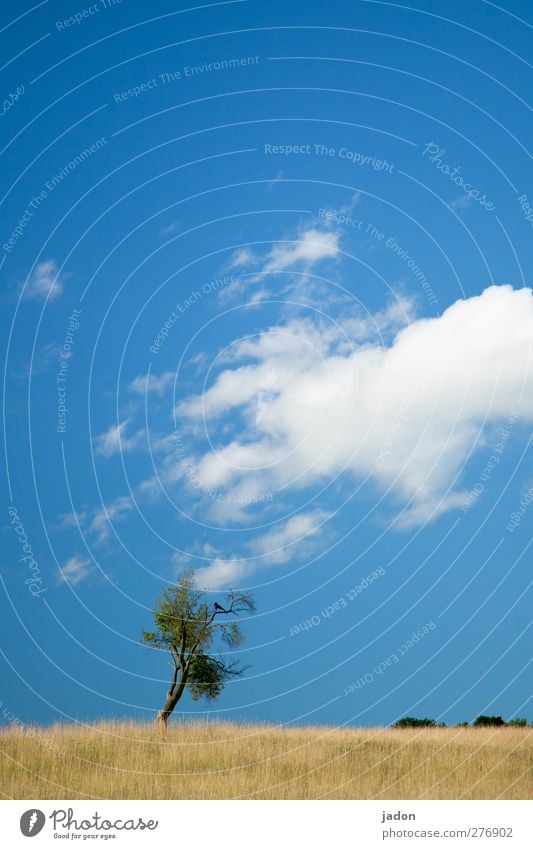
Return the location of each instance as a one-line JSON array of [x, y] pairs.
[[481, 721]]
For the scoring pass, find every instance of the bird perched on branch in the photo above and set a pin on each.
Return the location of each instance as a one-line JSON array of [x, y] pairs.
[[218, 607]]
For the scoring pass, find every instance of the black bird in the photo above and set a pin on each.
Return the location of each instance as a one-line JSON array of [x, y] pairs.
[[218, 607]]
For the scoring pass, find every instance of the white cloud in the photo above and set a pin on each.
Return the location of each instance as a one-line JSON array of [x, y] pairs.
[[75, 570], [406, 412], [273, 548], [115, 441], [98, 521], [276, 545], [310, 246], [102, 518], [72, 520], [242, 257], [222, 574], [304, 344], [151, 488], [43, 281], [145, 383]]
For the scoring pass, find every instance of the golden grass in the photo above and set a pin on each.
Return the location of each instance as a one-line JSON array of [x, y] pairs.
[[127, 760]]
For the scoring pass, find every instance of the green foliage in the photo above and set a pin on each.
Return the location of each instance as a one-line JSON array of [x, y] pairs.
[[518, 722], [413, 722], [208, 676], [148, 636], [485, 721], [184, 620]]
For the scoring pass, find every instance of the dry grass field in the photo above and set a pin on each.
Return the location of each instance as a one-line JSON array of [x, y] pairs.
[[230, 761]]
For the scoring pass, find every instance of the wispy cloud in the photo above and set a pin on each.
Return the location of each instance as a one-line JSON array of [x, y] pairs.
[[43, 281], [289, 540], [332, 216], [312, 246], [461, 203], [98, 521], [170, 228], [75, 570], [308, 247], [144, 383], [277, 179], [46, 357], [115, 440], [243, 257], [104, 517]]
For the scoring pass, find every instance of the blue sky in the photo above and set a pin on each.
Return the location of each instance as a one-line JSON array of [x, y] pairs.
[[266, 312]]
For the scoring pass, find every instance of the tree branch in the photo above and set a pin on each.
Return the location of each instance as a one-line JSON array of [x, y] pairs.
[[173, 682], [183, 645]]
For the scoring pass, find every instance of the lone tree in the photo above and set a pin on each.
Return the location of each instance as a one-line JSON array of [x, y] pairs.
[[189, 629]]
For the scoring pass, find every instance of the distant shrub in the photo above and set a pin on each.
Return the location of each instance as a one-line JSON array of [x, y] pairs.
[[485, 721], [480, 722], [413, 722]]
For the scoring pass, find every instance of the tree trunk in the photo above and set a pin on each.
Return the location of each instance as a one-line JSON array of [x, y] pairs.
[[173, 697]]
